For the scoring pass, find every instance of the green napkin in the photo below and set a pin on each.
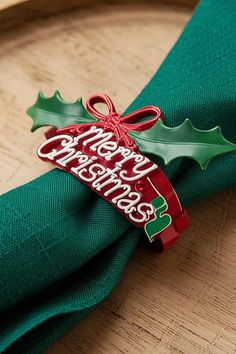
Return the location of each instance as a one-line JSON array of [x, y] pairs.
[[63, 248]]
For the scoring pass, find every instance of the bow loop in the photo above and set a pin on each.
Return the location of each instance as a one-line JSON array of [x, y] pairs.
[[100, 98]]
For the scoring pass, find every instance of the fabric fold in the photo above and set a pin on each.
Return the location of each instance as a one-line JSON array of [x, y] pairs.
[[63, 248]]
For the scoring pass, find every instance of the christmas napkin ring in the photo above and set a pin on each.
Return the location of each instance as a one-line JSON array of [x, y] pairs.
[[104, 151]]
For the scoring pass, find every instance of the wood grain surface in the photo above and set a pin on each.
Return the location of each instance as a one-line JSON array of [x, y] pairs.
[[182, 301]]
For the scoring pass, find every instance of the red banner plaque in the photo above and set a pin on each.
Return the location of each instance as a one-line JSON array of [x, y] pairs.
[[103, 156]]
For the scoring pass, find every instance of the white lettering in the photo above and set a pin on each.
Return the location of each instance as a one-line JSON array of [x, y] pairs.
[[99, 171]]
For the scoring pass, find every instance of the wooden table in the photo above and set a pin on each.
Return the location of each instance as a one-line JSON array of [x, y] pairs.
[[183, 301]]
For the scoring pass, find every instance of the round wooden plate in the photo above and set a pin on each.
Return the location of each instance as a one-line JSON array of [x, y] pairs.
[[182, 301]]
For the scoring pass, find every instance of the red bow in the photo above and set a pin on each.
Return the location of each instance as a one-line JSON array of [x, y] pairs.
[[121, 125]]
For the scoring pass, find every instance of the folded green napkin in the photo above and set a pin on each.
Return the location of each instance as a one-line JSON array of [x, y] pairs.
[[63, 248]]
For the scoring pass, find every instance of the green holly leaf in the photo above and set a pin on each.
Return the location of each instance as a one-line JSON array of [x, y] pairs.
[[183, 141], [54, 111]]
